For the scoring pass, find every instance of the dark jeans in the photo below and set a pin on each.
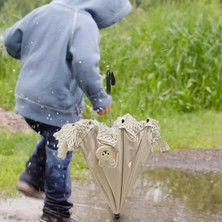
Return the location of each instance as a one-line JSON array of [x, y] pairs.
[[48, 173]]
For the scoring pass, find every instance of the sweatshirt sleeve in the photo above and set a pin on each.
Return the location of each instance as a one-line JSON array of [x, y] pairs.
[[84, 48], [13, 40]]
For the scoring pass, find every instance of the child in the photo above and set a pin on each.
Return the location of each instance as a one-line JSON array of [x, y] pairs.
[[58, 45]]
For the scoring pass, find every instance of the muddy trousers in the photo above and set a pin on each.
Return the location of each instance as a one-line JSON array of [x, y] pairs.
[[48, 173]]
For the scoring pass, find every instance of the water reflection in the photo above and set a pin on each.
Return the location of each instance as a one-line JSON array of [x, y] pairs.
[[200, 194]]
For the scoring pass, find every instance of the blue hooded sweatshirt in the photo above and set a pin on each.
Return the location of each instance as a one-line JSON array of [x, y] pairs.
[[58, 45]]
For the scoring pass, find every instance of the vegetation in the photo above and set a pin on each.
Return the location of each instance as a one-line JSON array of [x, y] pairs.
[[167, 55], [167, 60]]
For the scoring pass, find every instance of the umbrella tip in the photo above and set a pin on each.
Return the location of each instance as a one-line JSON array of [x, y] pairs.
[[117, 216]]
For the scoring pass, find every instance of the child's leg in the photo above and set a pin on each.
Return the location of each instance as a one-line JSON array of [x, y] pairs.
[[34, 173], [45, 166], [57, 179]]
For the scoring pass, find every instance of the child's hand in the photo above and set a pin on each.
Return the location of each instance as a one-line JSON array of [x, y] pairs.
[[104, 111]]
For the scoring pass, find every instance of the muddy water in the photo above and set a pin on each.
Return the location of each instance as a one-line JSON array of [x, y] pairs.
[[183, 195], [164, 195], [160, 195]]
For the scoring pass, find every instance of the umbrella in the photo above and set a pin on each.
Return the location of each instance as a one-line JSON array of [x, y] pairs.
[[116, 155]]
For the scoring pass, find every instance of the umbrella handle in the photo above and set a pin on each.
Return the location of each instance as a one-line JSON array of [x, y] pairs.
[[110, 80]]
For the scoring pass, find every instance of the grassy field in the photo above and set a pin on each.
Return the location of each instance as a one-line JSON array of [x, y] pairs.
[[167, 60]]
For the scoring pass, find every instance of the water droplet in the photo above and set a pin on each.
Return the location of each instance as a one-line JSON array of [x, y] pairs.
[[80, 62]]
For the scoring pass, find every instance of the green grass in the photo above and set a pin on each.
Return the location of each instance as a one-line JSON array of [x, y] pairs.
[[193, 130], [168, 57]]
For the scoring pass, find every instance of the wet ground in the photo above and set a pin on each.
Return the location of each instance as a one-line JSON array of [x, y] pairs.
[[178, 186]]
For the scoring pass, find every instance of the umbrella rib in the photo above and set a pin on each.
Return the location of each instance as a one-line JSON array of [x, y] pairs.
[[122, 162]]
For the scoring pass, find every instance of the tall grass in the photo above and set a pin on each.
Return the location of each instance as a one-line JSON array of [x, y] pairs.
[[166, 57]]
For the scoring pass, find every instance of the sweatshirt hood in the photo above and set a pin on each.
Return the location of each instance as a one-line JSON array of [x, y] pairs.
[[104, 12]]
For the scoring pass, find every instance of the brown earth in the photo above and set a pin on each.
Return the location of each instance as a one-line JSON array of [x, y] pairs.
[[12, 122]]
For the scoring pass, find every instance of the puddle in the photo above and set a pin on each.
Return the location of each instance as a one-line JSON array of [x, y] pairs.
[[160, 195], [163, 195], [183, 195]]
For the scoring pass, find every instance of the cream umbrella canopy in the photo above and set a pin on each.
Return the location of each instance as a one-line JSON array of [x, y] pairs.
[[116, 155]]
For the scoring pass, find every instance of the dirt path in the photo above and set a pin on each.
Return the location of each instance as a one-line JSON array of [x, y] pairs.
[[12, 122], [204, 160]]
